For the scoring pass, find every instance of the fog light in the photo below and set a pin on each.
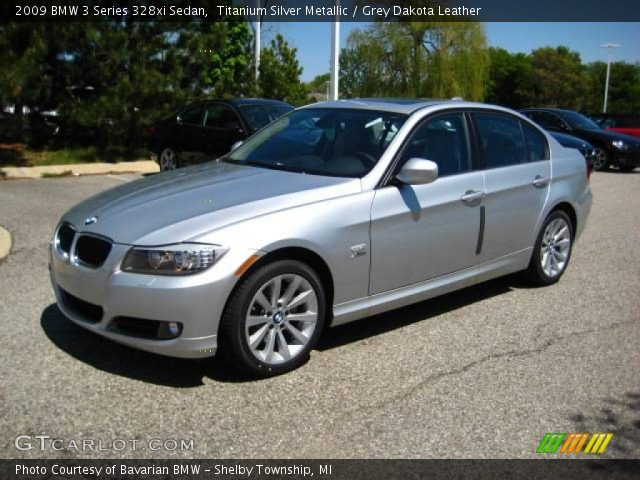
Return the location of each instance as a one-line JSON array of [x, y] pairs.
[[169, 330], [174, 329]]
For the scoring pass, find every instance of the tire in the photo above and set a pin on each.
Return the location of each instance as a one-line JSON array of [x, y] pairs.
[[556, 240], [270, 341], [168, 159], [601, 160], [627, 169]]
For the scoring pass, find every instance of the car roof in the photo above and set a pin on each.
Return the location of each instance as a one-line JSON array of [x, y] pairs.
[[397, 105], [256, 101], [240, 101], [545, 109]]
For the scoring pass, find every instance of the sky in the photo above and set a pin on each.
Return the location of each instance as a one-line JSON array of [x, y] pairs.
[[313, 40]]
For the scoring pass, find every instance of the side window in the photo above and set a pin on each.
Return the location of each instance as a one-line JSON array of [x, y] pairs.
[[192, 116], [537, 147], [220, 116], [549, 120], [443, 140], [501, 140]]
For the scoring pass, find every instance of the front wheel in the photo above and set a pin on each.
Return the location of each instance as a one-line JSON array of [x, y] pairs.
[[552, 250], [274, 319], [168, 159], [600, 159]]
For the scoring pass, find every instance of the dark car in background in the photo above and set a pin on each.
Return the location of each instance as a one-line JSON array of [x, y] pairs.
[[584, 147], [611, 148], [208, 129], [628, 124]]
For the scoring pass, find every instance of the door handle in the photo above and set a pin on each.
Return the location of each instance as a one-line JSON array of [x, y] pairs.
[[472, 196], [540, 181]]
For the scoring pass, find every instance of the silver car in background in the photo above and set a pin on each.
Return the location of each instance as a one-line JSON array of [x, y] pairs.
[[334, 212]]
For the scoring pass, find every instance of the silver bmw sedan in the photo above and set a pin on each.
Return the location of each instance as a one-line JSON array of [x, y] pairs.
[[332, 213]]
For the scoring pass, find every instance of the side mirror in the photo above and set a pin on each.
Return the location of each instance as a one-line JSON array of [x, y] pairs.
[[236, 145], [418, 171]]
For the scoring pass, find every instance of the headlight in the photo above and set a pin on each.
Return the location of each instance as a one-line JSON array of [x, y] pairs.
[[179, 259], [620, 144]]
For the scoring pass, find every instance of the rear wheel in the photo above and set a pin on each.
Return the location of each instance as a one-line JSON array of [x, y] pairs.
[[552, 249], [600, 159], [274, 319], [168, 159]]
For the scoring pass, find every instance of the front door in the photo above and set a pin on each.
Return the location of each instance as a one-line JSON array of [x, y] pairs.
[[420, 232]]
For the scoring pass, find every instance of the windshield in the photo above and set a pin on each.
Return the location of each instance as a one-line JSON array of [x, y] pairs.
[[322, 141], [579, 121], [258, 116]]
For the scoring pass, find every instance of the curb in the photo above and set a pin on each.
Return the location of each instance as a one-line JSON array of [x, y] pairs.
[[5, 243], [78, 169]]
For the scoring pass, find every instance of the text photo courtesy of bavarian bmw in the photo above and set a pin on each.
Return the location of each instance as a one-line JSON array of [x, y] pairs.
[[332, 213]]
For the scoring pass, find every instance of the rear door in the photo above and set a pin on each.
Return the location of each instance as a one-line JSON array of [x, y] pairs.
[[187, 137], [517, 172], [222, 128]]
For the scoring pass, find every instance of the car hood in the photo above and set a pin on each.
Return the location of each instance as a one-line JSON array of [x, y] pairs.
[[569, 140], [609, 135], [191, 202]]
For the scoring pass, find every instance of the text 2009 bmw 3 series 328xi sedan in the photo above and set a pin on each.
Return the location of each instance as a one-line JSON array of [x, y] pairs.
[[334, 212]]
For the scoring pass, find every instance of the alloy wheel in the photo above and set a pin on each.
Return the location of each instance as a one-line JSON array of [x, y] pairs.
[[168, 160], [555, 247], [281, 319], [599, 159]]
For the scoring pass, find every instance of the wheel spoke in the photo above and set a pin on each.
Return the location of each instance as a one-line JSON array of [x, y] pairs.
[[262, 300], [302, 317], [283, 346], [253, 320], [291, 290], [256, 338], [275, 291], [300, 299], [268, 349], [297, 334]]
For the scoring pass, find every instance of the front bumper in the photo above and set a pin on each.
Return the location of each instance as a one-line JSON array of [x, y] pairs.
[[196, 301], [626, 158]]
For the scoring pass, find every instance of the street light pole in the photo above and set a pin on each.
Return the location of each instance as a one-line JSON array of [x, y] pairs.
[[257, 42], [335, 53], [608, 46]]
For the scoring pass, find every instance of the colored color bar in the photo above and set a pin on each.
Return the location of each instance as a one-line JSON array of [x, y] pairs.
[[572, 438], [583, 439], [596, 446], [543, 443], [605, 442], [594, 437], [555, 444]]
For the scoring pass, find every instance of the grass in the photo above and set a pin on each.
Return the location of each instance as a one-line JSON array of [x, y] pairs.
[[18, 155]]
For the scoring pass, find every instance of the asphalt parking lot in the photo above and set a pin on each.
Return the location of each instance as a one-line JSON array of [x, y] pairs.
[[484, 372]]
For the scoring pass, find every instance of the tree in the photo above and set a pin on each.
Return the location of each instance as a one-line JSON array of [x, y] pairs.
[[624, 87], [417, 59], [280, 73], [319, 83], [558, 78], [509, 79], [110, 79]]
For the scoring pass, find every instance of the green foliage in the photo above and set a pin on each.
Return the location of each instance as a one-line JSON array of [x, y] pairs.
[[416, 59], [319, 83], [624, 87], [510, 79], [280, 73], [556, 77], [109, 80]]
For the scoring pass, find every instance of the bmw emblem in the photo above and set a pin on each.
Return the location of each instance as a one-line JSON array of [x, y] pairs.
[[91, 220]]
